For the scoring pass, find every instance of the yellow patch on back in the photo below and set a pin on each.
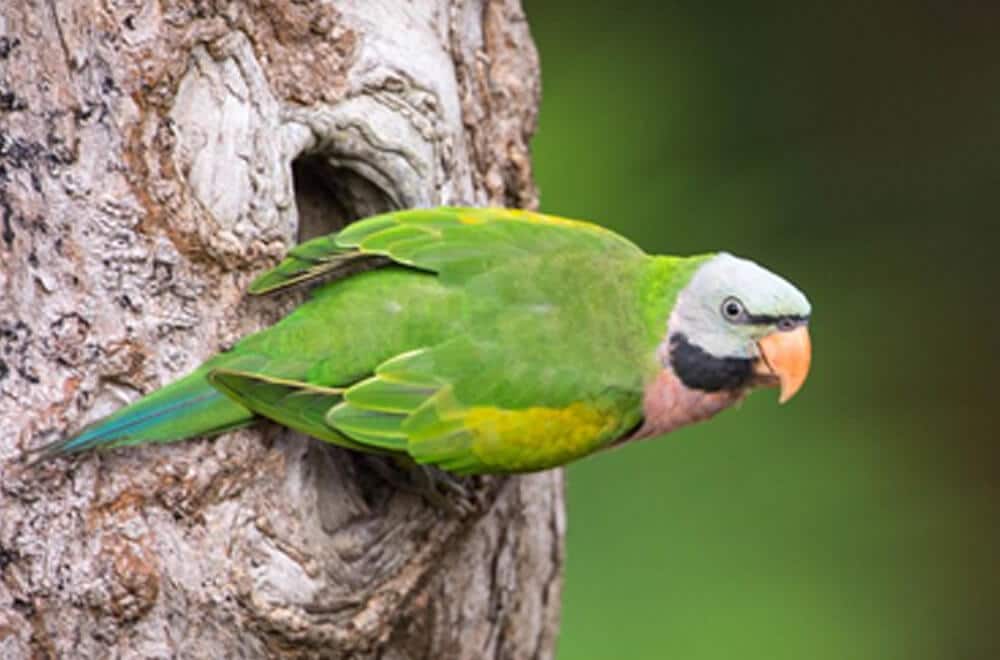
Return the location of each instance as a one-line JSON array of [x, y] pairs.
[[538, 437], [541, 218], [519, 213], [469, 219]]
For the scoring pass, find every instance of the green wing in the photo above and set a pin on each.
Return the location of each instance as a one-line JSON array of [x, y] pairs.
[[467, 408], [520, 386], [411, 406], [455, 243], [297, 405], [320, 257]]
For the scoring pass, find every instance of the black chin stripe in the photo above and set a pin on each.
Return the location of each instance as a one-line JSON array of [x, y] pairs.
[[701, 371]]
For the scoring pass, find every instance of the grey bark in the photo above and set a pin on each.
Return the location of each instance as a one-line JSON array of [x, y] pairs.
[[154, 157]]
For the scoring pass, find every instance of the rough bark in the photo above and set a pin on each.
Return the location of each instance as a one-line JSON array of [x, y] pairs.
[[155, 156]]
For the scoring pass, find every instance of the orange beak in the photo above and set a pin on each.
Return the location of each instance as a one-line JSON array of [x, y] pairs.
[[785, 356]]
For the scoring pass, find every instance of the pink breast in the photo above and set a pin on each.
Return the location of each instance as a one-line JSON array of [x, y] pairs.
[[669, 404]]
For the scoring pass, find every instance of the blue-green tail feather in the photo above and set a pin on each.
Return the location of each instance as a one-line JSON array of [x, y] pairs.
[[187, 408]]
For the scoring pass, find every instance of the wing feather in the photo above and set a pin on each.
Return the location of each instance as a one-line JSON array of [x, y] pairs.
[[455, 243], [413, 403], [294, 404]]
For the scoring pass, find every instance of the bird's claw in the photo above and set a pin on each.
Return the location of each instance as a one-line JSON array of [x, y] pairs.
[[446, 491], [442, 490]]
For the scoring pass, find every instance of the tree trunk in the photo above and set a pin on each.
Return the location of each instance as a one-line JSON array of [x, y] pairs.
[[154, 157]]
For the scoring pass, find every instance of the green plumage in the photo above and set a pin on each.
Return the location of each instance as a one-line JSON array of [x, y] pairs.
[[477, 340]]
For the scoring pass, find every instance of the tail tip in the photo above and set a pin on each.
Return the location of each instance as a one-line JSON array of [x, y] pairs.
[[32, 458]]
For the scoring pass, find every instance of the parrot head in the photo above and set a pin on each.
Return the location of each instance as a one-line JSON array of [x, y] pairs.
[[737, 325]]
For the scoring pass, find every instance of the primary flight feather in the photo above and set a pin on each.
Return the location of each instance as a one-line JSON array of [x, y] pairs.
[[487, 340]]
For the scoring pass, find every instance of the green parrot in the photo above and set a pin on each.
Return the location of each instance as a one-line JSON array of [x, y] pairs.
[[487, 341]]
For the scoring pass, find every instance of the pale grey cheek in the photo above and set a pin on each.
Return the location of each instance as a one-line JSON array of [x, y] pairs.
[[715, 344]]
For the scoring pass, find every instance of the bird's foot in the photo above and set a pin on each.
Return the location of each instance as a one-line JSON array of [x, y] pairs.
[[445, 491], [440, 489]]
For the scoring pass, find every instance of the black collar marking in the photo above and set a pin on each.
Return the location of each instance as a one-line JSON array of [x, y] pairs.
[[699, 370]]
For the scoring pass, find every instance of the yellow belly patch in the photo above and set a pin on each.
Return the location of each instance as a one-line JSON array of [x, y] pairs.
[[538, 437]]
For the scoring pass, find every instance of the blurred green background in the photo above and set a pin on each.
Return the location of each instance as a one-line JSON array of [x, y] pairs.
[[856, 150]]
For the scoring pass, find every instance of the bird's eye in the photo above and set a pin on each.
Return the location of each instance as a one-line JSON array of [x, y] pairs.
[[732, 309]]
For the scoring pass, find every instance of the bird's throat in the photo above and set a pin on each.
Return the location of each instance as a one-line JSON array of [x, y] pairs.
[[669, 404]]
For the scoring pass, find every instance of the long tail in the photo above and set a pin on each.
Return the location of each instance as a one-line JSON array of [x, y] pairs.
[[186, 408]]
